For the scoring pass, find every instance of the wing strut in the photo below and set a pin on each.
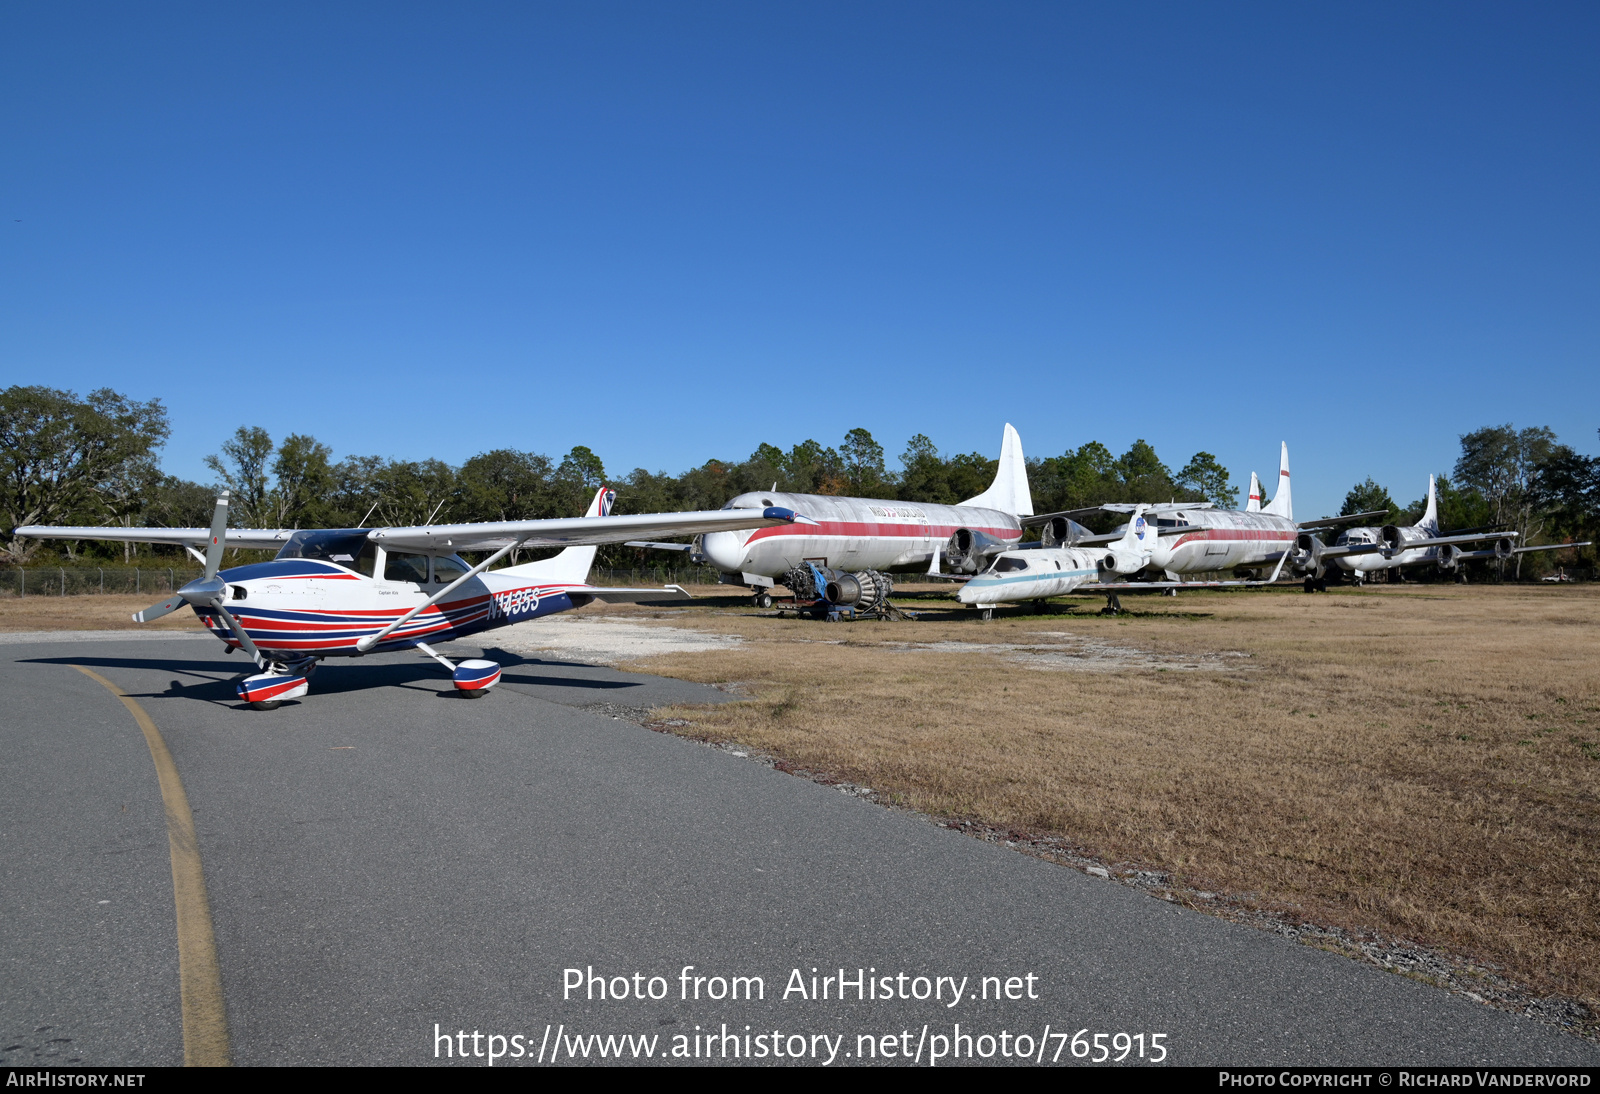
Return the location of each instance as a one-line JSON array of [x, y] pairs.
[[372, 640]]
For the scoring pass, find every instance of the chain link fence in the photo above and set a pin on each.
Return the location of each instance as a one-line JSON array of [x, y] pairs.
[[17, 581]]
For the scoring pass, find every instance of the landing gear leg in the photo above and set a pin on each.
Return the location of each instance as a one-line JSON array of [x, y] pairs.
[[986, 614], [1311, 584], [1039, 607], [1113, 605], [762, 600], [1322, 584]]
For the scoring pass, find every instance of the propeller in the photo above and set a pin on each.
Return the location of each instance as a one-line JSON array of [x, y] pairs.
[[209, 591]]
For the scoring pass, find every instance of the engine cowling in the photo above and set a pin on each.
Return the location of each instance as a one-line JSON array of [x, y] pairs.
[[968, 550], [1121, 562], [1450, 556], [1503, 549], [1392, 537], [1062, 532], [1307, 558]]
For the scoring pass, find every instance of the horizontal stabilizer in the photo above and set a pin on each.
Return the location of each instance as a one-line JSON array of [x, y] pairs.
[[632, 596]]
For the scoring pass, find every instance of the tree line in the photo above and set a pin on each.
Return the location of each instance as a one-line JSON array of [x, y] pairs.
[[95, 460]]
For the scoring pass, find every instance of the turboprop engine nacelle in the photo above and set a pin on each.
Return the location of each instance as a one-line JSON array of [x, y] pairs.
[[1393, 539], [967, 550], [1120, 562], [1062, 532], [1308, 555]]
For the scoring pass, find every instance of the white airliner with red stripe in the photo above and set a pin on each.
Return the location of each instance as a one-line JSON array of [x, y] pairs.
[[868, 533], [1259, 538]]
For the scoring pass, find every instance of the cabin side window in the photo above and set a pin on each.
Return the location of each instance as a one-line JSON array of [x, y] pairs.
[[447, 569], [400, 566]]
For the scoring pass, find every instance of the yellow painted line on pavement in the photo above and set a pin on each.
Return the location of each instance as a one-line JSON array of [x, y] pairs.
[[205, 1020]]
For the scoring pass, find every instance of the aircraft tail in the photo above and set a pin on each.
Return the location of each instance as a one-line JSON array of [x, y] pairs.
[[1254, 504], [571, 566], [1430, 516], [1009, 492], [1140, 536], [1282, 505]]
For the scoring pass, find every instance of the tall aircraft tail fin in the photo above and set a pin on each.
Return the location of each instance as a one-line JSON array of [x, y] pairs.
[[1254, 504], [1009, 492], [571, 566], [1140, 536], [1282, 505], [1430, 516]]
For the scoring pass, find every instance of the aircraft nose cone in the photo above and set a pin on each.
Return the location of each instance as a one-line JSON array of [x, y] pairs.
[[205, 590], [725, 550]]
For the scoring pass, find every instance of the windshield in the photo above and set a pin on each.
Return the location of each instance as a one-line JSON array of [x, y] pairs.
[[1007, 563], [348, 547]]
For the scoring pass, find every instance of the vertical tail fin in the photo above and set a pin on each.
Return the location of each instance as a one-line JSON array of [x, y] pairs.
[[1430, 516], [1282, 505], [1140, 536], [1254, 504], [571, 566], [1009, 492]]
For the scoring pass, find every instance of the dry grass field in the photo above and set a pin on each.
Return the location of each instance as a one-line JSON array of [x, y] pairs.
[[87, 613], [1421, 762]]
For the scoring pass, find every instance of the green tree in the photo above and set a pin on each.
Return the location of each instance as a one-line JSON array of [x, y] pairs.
[[863, 464], [303, 478], [244, 468], [1369, 497], [506, 485], [1203, 475], [925, 477], [1500, 462], [58, 453]]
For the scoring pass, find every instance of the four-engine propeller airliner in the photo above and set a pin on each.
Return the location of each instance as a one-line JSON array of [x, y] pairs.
[[1196, 537], [854, 534], [346, 592], [1362, 551]]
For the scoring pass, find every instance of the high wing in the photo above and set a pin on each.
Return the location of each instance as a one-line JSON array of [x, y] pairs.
[[250, 539], [577, 531], [557, 532], [659, 546]]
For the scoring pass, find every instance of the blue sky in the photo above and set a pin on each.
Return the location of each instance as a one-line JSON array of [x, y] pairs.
[[673, 231]]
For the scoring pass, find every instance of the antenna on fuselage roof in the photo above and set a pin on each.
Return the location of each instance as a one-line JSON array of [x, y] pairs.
[[774, 486]]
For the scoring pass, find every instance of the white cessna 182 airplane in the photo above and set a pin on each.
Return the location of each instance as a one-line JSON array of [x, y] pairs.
[[345, 592], [854, 534], [1361, 551]]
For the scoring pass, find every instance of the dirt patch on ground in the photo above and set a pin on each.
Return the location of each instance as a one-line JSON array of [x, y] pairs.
[[607, 639]]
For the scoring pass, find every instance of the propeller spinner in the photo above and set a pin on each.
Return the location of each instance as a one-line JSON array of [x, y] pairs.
[[209, 591]]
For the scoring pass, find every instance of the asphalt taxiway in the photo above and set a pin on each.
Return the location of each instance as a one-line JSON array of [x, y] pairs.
[[385, 861]]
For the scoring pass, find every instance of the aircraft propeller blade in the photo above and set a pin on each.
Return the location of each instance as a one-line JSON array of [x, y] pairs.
[[156, 611], [219, 536]]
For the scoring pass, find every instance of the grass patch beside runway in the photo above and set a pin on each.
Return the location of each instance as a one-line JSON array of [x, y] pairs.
[[1422, 762]]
